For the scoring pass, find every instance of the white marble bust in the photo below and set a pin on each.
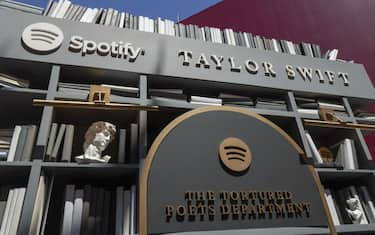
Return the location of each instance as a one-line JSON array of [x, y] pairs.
[[97, 138]]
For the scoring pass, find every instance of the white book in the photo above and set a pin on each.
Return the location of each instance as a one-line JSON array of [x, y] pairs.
[[219, 39], [6, 217], [354, 194], [51, 139], [64, 7], [229, 40], [331, 206], [141, 23], [368, 201], [91, 17], [152, 26], [119, 210], [161, 26], [57, 8], [11, 211], [57, 144], [202, 99], [108, 17], [275, 45], [166, 28], [17, 211], [127, 206], [309, 113], [122, 88], [203, 34], [122, 20], [332, 55], [348, 155], [77, 212], [231, 34], [171, 26], [337, 107], [133, 210], [246, 40], [145, 24], [68, 210], [13, 144], [314, 150], [68, 144], [213, 35], [291, 47], [36, 219], [86, 15]]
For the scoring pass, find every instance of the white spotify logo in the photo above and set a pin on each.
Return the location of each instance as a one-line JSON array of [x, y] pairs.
[[42, 37]]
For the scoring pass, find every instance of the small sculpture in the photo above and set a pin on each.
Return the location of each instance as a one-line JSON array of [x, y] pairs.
[[354, 211], [97, 138]]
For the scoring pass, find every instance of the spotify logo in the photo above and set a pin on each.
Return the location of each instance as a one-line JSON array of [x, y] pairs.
[[42, 38], [235, 155]]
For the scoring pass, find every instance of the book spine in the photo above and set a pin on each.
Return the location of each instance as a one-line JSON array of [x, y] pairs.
[[77, 212], [313, 148], [133, 210], [57, 144], [119, 210], [29, 144], [7, 212], [122, 146], [68, 144], [331, 206], [17, 211], [14, 143], [36, 218], [68, 210], [133, 143], [21, 143], [51, 140], [127, 206], [85, 208], [8, 226]]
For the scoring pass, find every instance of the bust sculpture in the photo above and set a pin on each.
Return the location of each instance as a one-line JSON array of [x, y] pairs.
[[353, 211], [97, 138]]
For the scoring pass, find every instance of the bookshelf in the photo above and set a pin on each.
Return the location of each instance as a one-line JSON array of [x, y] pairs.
[[47, 74]]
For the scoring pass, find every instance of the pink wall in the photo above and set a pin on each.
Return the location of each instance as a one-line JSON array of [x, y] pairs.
[[348, 25]]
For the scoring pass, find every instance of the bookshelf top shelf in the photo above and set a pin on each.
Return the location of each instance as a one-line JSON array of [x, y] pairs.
[[182, 58]]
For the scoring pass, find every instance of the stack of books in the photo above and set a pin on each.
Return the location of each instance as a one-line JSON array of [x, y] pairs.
[[309, 108], [8, 81], [83, 89], [202, 100], [236, 100], [99, 210], [350, 205], [364, 114], [274, 104], [65, 9], [22, 143], [11, 202]]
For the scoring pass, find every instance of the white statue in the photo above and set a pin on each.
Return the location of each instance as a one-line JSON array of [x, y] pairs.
[[354, 211], [97, 138]]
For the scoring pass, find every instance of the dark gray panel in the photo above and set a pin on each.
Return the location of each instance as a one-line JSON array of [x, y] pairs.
[[187, 160], [161, 58]]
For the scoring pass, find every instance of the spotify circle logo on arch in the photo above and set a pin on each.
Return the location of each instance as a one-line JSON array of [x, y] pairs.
[[235, 155], [42, 38]]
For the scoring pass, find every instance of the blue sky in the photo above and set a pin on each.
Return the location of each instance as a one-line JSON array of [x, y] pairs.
[[169, 9]]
